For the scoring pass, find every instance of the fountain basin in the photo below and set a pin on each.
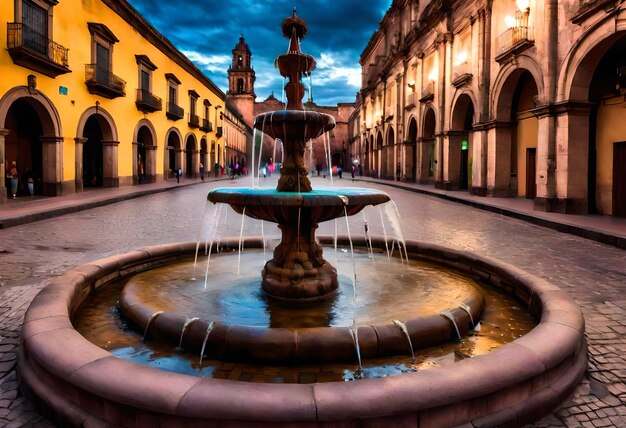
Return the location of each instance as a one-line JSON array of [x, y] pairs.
[[281, 207], [80, 384], [294, 125]]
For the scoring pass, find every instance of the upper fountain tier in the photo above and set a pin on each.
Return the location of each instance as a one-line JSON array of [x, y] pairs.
[[294, 123]]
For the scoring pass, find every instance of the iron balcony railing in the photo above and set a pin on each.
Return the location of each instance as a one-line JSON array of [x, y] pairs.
[[206, 126], [174, 111], [146, 101], [517, 38], [194, 120], [100, 79], [22, 36]]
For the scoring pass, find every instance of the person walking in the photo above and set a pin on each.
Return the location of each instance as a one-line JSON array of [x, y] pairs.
[[12, 175], [201, 171]]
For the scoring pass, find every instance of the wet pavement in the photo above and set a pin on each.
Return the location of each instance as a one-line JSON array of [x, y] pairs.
[[592, 272]]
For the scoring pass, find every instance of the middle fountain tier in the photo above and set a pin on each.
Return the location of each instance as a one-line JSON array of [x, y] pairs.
[[298, 271]]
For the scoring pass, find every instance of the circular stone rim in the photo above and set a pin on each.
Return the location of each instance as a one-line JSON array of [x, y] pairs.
[[73, 380]]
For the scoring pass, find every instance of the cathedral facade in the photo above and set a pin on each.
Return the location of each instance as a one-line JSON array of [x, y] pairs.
[[499, 98]]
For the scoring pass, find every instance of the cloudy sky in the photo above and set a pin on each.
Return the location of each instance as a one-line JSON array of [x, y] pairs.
[[207, 31]]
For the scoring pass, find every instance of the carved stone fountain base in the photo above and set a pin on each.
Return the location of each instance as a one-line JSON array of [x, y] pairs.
[[298, 283]]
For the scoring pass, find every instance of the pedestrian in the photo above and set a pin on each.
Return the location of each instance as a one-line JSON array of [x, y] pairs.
[[12, 175], [339, 170], [353, 171], [140, 170], [201, 171], [30, 181], [179, 173]]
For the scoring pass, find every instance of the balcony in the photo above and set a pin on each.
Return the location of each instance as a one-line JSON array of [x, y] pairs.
[[219, 132], [146, 102], [194, 121], [206, 126], [516, 39], [174, 112], [410, 101], [100, 81], [35, 51], [428, 92]]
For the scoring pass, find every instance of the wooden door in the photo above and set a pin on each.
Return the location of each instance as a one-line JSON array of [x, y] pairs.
[[531, 173], [619, 179]]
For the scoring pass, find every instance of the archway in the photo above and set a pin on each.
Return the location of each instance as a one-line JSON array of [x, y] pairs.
[[516, 138], [377, 155], [391, 169], [173, 154], [23, 145], [191, 155], [144, 161], [204, 161], [460, 145], [427, 150], [410, 166], [606, 159], [92, 157], [29, 135]]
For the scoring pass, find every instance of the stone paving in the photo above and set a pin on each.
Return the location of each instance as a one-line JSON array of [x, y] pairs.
[[593, 274]]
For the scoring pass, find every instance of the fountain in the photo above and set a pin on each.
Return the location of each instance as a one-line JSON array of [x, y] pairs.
[[78, 383]]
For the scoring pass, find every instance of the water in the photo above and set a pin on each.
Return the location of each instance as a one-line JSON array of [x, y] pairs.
[[467, 309], [152, 318], [237, 300], [184, 329], [448, 315], [354, 333], [206, 337], [403, 329], [504, 320]]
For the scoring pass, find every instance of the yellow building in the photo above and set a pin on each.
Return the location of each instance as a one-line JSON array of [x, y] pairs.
[[93, 96]]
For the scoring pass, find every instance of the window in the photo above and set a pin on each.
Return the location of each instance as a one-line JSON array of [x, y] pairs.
[[99, 75], [146, 101], [240, 86], [35, 27], [194, 119], [174, 111], [29, 38], [239, 61]]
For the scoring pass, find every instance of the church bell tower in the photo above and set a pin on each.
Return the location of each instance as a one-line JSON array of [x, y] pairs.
[[241, 78]]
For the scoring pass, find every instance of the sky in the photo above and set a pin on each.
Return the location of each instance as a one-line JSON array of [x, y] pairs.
[[206, 31]]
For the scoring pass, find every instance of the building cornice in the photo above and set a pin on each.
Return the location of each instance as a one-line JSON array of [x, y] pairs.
[[123, 9]]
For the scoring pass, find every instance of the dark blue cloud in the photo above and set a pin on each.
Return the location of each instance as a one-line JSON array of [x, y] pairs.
[[208, 30]]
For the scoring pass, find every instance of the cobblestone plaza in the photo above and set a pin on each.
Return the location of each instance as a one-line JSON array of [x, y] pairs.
[[594, 274]]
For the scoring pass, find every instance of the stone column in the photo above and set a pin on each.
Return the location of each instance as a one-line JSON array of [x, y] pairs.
[[135, 168], [150, 164], [52, 160], [3, 189], [478, 178], [499, 159], [79, 143], [452, 158], [572, 158], [110, 177]]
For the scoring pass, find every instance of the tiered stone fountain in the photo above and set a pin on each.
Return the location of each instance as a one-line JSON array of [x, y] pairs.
[[298, 269], [77, 383]]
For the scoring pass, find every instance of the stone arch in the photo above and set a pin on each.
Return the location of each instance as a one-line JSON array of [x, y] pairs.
[[389, 155], [173, 153], [42, 143], [191, 156], [590, 176], [459, 148], [378, 147], [427, 150], [204, 158], [504, 86], [410, 160], [512, 156], [96, 150], [144, 152]]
